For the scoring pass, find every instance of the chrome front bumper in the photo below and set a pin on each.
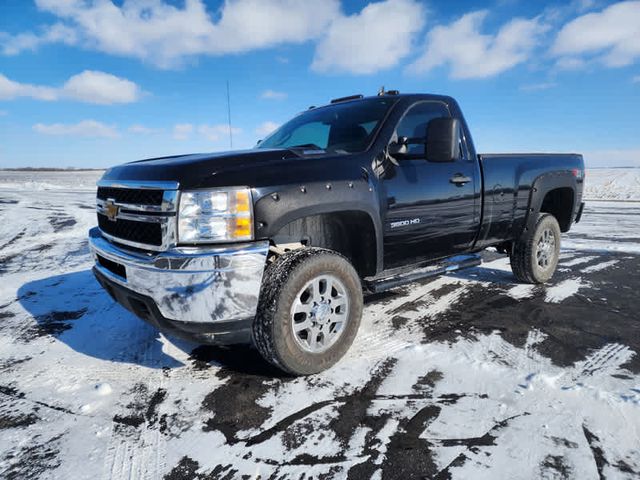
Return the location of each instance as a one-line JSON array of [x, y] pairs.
[[194, 286]]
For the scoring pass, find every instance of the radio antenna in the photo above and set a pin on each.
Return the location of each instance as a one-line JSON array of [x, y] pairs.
[[229, 117]]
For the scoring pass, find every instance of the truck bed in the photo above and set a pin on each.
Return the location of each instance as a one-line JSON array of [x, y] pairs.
[[507, 182]]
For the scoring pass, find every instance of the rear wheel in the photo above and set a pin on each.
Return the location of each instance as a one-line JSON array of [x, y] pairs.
[[309, 312], [534, 257]]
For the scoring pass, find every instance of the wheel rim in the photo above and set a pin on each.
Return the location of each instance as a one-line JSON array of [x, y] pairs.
[[320, 313], [546, 249]]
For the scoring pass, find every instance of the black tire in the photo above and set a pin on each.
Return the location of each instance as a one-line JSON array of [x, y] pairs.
[[526, 264], [283, 281]]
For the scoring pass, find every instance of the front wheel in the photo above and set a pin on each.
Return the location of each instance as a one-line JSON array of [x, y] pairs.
[[534, 257], [309, 311]]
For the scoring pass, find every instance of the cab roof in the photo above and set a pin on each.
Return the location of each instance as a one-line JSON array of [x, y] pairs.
[[391, 93]]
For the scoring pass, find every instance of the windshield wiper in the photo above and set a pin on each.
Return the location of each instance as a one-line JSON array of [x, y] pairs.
[[307, 146]]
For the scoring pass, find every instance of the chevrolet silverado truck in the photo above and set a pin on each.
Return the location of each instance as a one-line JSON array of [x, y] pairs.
[[275, 245]]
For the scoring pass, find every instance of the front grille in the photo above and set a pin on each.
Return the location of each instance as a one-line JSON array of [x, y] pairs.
[[132, 231], [131, 195], [137, 217], [113, 267]]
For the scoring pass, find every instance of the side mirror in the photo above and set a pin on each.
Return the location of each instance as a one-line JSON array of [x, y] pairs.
[[400, 148], [443, 140]]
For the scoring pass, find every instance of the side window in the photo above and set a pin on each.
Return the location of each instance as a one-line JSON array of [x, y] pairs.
[[414, 123], [464, 148]]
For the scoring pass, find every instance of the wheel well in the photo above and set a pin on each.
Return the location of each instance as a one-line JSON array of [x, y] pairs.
[[350, 233], [559, 203]]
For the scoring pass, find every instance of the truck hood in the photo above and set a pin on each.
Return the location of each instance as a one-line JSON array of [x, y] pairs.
[[208, 169]]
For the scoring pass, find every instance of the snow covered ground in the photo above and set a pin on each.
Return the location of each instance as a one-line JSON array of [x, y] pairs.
[[61, 180], [613, 184], [470, 375]]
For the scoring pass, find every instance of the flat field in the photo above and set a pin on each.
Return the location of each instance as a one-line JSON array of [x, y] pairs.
[[470, 375]]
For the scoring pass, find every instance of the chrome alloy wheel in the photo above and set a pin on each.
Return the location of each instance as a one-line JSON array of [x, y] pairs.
[[320, 313], [545, 249]]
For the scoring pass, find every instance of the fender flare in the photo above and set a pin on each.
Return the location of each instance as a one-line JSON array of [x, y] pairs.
[[540, 187], [276, 207]]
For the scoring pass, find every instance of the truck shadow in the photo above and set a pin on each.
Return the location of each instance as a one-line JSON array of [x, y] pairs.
[[240, 359], [75, 310], [486, 274]]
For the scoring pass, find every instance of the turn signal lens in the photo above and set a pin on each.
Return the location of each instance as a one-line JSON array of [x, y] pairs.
[[243, 201]]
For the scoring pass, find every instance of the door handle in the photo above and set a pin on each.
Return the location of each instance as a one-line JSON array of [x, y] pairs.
[[459, 180]]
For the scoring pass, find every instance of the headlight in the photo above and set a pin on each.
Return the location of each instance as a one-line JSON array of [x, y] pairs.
[[215, 216]]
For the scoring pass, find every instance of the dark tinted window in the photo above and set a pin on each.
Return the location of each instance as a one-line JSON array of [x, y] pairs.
[[342, 128], [414, 123], [464, 147]]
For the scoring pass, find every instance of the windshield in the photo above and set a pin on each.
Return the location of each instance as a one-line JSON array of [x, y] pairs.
[[340, 128]]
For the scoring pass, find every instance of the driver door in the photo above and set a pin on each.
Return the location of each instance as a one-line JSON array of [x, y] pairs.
[[428, 215]]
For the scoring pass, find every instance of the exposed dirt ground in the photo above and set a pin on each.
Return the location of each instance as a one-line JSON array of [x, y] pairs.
[[470, 375]]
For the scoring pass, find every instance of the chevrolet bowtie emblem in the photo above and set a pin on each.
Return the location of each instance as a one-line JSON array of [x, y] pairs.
[[111, 210]]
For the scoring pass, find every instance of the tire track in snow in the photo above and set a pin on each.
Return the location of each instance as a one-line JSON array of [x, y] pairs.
[[137, 446], [604, 361], [389, 326], [600, 266], [387, 436], [577, 261]]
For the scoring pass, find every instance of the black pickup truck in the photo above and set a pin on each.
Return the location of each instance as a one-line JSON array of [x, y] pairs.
[[275, 245]]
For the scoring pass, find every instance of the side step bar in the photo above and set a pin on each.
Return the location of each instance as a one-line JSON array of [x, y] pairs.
[[443, 266]]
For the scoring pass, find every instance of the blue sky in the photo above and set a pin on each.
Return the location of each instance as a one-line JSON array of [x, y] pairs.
[[96, 83]]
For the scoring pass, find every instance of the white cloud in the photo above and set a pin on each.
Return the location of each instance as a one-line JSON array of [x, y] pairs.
[[89, 87], [636, 79], [582, 5], [4, 113], [165, 34], [249, 24], [168, 34], [98, 87], [611, 36], [214, 133], [265, 128], [535, 87], [182, 131], [375, 39], [568, 63], [559, 12], [56, 33], [273, 95], [85, 128], [10, 90], [142, 130], [472, 54]]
